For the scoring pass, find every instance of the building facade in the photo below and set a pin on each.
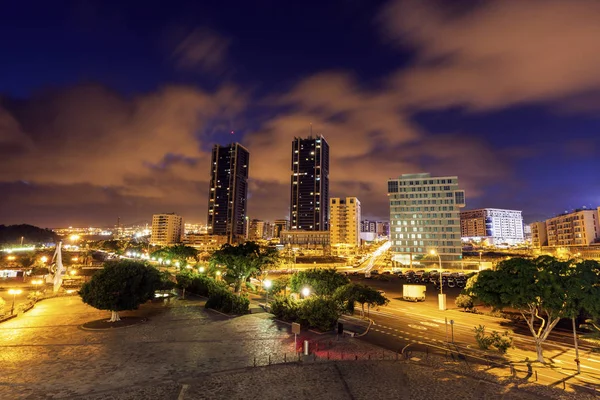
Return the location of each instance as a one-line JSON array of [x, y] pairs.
[[204, 242], [305, 238], [344, 224], [539, 236], [309, 198], [167, 229], [577, 228], [280, 225], [495, 226], [368, 226], [425, 216], [228, 192]]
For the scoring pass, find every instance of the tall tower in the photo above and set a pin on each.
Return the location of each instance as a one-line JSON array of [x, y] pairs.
[[309, 199], [228, 192]]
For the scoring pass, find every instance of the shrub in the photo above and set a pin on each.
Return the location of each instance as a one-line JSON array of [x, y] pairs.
[[464, 301], [221, 299], [285, 308], [319, 313], [502, 342]]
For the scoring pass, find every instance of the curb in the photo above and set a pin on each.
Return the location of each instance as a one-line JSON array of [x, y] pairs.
[[111, 328]]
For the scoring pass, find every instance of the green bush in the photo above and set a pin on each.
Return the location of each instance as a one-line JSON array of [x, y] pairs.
[[502, 342], [464, 301], [320, 313], [221, 299], [285, 308]]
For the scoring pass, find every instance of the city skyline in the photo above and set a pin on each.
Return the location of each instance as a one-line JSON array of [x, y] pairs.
[[111, 111]]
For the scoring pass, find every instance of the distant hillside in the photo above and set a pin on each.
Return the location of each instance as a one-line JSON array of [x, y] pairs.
[[12, 234]]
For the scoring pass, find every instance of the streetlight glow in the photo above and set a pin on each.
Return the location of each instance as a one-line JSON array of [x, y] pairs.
[[268, 283], [14, 292], [44, 259], [74, 237], [305, 292], [201, 269]]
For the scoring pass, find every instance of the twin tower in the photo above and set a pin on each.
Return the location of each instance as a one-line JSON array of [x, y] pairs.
[[309, 188]]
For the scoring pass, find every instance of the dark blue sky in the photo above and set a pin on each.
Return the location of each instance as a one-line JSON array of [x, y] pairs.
[[93, 94]]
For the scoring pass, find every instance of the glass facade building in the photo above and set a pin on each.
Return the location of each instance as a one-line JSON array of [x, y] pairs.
[[425, 216]]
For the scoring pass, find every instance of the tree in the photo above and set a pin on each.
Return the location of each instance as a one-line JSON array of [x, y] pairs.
[[121, 285], [464, 301], [322, 282], [184, 280], [362, 294], [180, 253], [243, 261], [543, 290], [318, 312]]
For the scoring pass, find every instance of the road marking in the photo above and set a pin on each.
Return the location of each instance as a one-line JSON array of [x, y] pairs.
[[418, 327], [430, 324], [184, 389]]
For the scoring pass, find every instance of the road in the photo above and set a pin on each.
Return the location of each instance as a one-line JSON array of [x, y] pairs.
[[401, 323]]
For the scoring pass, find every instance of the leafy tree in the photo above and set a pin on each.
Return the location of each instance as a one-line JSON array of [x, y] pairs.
[[279, 285], [322, 282], [359, 293], [166, 281], [243, 261], [121, 285], [176, 253], [543, 290], [184, 280], [464, 301], [285, 308]]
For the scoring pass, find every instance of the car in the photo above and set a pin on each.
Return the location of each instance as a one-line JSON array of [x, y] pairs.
[[460, 284], [381, 292], [451, 283]]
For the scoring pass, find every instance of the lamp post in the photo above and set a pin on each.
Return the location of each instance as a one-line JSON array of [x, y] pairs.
[[441, 296], [14, 293], [267, 283]]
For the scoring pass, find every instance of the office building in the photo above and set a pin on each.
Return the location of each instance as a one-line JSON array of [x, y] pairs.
[[492, 225], [344, 224], [578, 228], [368, 226], [228, 192], [309, 198], [167, 229], [382, 228], [425, 216], [256, 230], [280, 225], [539, 236]]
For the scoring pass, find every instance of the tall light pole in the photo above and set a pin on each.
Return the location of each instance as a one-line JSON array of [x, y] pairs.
[[441, 296], [14, 292], [267, 283]]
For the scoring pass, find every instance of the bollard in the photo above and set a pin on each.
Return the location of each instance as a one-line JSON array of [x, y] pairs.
[[369, 356], [255, 361], [355, 357], [306, 347], [564, 385], [536, 376], [284, 358], [328, 354], [269, 359], [342, 355]]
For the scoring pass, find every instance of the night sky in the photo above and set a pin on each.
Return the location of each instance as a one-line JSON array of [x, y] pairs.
[[110, 110]]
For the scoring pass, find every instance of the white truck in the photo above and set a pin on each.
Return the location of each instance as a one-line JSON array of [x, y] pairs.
[[413, 292]]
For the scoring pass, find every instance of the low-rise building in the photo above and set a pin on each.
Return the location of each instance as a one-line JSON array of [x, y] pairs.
[[305, 238], [577, 228], [539, 236], [492, 225], [204, 242]]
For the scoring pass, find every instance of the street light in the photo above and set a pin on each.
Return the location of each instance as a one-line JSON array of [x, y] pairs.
[[44, 259], [14, 292], [201, 270], [267, 283], [441, 296], [305, 292]]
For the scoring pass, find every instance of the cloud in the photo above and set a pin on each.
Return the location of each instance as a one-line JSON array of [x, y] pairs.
[[495, 53], [202, 49], [371, 137], [147, 147]]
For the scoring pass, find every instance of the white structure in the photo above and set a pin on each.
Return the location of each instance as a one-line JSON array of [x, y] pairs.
[[425, 216], [495, 226], [167, 229], [344, 224]]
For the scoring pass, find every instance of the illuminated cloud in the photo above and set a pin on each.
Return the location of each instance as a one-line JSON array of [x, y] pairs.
[[495, 53], [202, 49]]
